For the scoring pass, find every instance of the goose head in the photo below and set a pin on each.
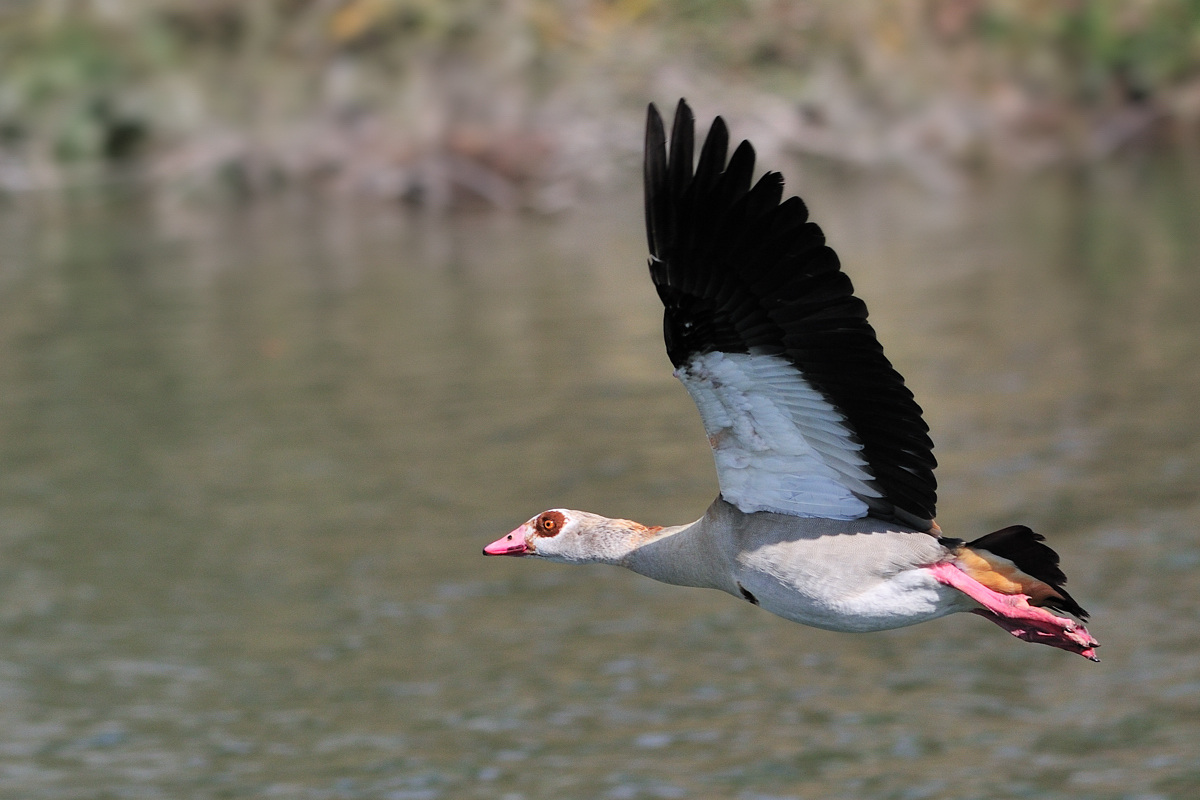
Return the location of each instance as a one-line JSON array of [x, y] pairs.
[[572, 537]]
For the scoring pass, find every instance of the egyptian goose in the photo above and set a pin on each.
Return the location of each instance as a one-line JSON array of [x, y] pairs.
[[826, 509]]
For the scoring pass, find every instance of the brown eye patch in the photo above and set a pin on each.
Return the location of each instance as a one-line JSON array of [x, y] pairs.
[[550, 523]]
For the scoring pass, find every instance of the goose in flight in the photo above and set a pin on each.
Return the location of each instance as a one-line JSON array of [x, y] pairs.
[[826, 509]]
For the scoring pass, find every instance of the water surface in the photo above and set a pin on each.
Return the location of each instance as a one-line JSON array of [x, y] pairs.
[[249, 455]]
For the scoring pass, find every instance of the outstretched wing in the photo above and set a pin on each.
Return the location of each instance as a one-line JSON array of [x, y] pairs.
[[805, 414]]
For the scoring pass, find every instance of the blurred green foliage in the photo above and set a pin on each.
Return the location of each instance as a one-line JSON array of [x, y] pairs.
[[90, 81], [1077, 49], [1103, 44]]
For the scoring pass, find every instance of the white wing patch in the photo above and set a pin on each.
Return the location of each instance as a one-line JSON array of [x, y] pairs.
[[778, 443]]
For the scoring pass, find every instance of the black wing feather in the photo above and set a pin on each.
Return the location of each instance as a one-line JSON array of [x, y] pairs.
[[738, 272]]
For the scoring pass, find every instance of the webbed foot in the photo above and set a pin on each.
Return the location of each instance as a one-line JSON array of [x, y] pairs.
[[1014, 613]]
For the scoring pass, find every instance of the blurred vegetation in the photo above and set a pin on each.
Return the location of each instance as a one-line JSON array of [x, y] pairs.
[[519, 102]]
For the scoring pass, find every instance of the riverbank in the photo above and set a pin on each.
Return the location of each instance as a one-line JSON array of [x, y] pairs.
[[525, 105]]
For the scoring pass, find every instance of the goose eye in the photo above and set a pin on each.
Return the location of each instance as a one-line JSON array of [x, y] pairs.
[[550, 523]]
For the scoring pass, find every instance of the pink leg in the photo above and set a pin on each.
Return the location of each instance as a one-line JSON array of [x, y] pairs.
[[1013, 613]]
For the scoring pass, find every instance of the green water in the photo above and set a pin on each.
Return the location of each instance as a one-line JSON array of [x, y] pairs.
[[249, 455]]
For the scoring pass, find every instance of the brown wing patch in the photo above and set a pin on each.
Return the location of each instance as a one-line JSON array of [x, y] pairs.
[[1001, 575]]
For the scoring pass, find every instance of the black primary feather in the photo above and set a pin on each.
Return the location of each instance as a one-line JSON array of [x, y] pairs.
[[1024, 548], [740, 272]]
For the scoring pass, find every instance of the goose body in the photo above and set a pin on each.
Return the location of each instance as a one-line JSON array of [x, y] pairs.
[[826, 510], [841, 575]]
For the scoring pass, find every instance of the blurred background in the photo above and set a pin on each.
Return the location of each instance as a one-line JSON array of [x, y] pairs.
[[302, 302], [519, 103]]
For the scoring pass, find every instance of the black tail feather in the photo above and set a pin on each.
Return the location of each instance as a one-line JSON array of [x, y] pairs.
[[1024, 548]]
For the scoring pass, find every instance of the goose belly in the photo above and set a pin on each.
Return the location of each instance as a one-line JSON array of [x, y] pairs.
[[840, 594]]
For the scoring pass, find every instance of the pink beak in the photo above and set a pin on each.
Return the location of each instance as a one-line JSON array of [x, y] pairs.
[[511, 545]]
